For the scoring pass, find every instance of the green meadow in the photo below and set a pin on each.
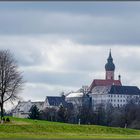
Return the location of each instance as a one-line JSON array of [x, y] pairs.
[[36, 129]]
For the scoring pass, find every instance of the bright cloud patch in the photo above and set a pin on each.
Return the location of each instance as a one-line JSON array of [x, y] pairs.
[[62, 47], [63, 65]]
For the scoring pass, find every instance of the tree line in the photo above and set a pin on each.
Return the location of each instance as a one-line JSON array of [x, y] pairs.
[[127, 116]]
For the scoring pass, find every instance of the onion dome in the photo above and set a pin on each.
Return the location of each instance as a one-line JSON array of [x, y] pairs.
[[109, 66]]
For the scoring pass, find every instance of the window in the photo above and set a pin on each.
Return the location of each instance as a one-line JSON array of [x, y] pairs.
[[114, 100], [118, 95], [114, 95], [118, 100]]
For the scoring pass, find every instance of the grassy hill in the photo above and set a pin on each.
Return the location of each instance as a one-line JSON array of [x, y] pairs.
[[25, 128]]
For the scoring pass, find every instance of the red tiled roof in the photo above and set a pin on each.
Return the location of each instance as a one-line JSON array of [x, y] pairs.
[[101, 82]]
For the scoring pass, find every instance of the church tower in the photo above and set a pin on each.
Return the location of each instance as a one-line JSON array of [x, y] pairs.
[[110, 68]]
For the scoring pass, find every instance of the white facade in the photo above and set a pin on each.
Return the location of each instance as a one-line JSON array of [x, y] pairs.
[[22, 110], [118, 100], [100, 95], [75, 98]]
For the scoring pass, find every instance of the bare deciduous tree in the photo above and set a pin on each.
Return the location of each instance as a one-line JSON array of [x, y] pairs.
[[11, 79]]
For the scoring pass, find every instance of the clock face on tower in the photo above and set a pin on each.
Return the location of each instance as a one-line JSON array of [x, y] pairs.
[[110, 75]]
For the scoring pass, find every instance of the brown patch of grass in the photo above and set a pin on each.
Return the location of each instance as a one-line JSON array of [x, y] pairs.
[[18, 123]]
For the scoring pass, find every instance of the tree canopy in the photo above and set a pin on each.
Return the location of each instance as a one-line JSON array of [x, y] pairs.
[[11, 79]]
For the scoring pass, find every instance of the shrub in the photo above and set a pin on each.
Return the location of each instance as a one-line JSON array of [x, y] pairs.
[[7, 120]]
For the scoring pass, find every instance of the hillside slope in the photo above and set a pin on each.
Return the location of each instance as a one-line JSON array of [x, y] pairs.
[[26, 128]]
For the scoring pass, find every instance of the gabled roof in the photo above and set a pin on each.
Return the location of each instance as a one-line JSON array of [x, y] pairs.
[[75, 94], [101, 90], [127, 90], [114, 89], [55, 100], [23, 106], [102, 82]]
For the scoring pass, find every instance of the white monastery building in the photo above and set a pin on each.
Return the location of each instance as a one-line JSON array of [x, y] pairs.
[[106, 91], [111, 91], [100, 92]]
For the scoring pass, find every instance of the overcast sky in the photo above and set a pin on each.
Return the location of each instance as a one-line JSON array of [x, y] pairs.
[[61, 46]]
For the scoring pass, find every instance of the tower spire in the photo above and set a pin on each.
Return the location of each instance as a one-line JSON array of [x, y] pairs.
[[110, 67], [110, 52], [110, 59]]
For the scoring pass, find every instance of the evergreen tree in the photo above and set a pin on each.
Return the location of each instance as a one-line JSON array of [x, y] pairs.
[[34, 112]]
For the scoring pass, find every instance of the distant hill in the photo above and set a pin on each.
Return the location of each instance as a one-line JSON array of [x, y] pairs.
[[26, 128]]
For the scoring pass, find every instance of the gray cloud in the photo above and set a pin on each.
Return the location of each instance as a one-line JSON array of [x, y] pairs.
[[57, 78], [89, 28], [63, 49]]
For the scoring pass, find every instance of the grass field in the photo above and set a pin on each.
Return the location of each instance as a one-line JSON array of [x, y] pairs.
[[25, 128]]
